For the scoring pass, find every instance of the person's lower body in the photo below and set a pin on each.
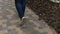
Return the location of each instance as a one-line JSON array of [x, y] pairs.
[[20, 6]]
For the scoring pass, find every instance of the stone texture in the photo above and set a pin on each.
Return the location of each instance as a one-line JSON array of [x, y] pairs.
[[10, 20]]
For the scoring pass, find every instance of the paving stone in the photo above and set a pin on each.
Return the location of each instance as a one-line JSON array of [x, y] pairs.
[[12, 31], [35, 32]]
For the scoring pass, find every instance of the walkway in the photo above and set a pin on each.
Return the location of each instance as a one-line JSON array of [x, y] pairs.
[[9, 21]]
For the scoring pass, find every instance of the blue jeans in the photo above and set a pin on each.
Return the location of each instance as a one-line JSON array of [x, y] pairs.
[[20, 6]]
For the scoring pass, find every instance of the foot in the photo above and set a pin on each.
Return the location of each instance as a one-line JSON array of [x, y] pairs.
[[22, 22]]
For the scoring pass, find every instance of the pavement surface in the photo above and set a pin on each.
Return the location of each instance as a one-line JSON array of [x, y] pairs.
[[9, 21]]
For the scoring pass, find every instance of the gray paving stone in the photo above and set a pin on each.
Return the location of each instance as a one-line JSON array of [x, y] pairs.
[[29, 23], [44, 33], [2, 28], [42, 24], [12, 31], [35, 32]]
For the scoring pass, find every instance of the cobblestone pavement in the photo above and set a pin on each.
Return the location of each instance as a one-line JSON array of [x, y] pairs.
[[9, 21]]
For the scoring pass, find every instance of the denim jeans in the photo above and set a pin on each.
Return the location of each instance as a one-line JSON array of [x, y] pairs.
[[20, 6]]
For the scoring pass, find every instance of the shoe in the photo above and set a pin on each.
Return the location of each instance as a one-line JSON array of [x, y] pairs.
[[22, 22]]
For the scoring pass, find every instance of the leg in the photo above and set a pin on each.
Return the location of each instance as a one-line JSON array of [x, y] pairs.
[[20, 5]]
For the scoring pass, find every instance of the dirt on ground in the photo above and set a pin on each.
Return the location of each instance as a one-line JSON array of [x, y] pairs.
[[48, 11]]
